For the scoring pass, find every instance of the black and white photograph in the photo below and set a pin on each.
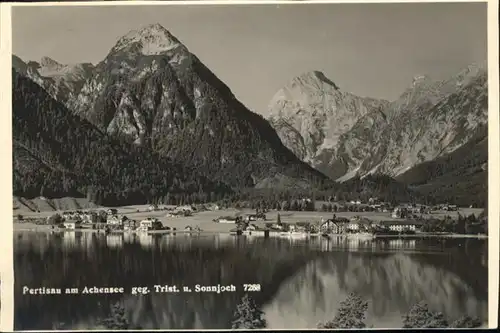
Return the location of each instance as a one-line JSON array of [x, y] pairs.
[[281, 165]]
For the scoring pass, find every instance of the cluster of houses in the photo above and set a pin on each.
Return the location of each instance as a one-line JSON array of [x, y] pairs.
[[241, 219], [410, 210], [446, 207], [341, 225], [338, 225], [180, 213], [403, 219], [374, 204], [111, 220], [188, 209], [335, 225], [413, 210], [80, 216]]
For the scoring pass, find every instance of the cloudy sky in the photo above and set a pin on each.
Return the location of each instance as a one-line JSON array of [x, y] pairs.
[[367, 49]]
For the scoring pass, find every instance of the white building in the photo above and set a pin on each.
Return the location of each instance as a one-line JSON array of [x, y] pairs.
[[227, 220], [353, 226], [72, 224], [327, 225], [116, 220], [185, 208], [400, 226], [150, 223]]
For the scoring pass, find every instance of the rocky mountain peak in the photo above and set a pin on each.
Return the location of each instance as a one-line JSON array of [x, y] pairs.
[[310, 114], [18, 64], [49, 62], [469, 73], [420, 80], [314, 78], [343, 135], [152, 92], [30, 70], [60, 81], [304, 90], [474, 68], [151, 39]]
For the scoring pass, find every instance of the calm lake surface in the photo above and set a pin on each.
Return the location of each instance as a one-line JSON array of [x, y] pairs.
[[302, 281]]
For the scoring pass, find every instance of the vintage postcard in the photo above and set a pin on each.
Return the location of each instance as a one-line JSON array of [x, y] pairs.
[[250, 165]]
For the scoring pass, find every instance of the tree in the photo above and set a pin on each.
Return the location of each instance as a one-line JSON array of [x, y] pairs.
[[312, 206], [102, 216], [459, 226], [350, 314], [116, 319], [466, 322], [91, 194], [483, 216], [42, 190], [55, 219], [420, 316], [248, 315]]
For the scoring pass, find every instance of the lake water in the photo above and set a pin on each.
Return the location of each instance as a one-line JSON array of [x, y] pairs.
[[302, 281]]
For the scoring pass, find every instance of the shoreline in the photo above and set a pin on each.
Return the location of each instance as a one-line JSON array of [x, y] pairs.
[[421, 235], [30, 227]]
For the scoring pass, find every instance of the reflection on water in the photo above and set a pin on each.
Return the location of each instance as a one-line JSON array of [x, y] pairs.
[[302, 280], [390, 284], [114, 240]]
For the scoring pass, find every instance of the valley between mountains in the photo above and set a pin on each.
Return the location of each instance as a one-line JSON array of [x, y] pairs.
[[151, 123]]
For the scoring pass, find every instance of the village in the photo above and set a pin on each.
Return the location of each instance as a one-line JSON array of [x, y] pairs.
[[353, 219]]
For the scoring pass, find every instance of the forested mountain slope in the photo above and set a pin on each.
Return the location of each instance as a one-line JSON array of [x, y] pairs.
[[56, 153]]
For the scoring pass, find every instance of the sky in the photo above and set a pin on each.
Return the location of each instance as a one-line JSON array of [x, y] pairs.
[[370, 50]]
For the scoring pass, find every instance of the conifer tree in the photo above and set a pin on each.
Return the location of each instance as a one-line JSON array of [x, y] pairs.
[[420, 316], [351, 314], [117, 319], [248, 315], [466, 322]]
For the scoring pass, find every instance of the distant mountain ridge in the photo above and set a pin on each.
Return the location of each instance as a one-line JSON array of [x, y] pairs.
[[460, 177], [63, 82], [152, 91], [58, 154], [311, 113], [150, 107], [430, 119]]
